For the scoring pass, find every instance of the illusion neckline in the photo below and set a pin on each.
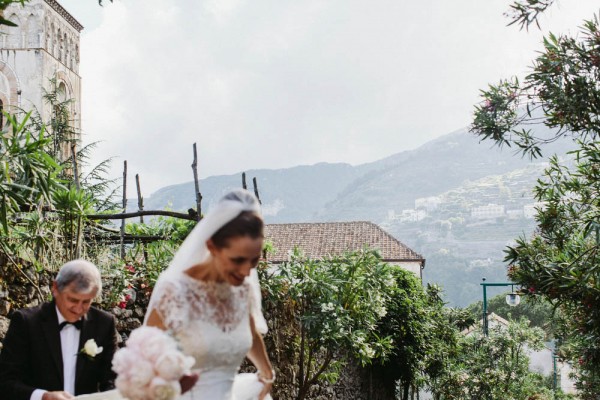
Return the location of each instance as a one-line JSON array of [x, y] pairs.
[[201, 282]]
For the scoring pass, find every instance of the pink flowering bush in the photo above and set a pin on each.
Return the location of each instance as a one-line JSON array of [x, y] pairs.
[[150, 366]]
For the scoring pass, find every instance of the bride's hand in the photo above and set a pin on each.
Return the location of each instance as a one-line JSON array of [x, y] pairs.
[[267, 383], [265, 391], [188, 381]]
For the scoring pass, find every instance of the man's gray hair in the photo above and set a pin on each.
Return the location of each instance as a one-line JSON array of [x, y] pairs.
[[82, 275]]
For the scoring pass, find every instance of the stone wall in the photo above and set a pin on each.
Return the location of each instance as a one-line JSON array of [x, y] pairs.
[[24, 287], [17, 290]]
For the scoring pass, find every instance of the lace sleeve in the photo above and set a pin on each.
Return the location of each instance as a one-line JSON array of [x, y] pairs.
[[255, 304], [168, 299]]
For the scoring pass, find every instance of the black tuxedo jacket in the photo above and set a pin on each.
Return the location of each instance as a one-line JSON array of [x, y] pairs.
[[31, 356]]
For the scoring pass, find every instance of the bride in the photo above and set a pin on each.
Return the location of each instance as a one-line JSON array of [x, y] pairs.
[[208, 299]]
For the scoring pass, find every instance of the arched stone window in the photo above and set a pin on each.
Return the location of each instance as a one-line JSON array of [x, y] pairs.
[[61, 92], [47, 36], [61, 142], [52, 43], [59, 46], [65, 44], [9, 87], [14, 39], [32, 32]]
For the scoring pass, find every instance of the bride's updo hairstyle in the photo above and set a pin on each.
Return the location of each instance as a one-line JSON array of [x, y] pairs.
[[247, 223]]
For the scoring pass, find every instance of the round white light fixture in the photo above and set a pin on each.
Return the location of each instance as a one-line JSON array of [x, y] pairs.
[[513, 299]]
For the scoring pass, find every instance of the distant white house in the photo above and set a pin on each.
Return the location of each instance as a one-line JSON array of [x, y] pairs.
[[409, 215], [488, 212], [428, 203], [514, 214]]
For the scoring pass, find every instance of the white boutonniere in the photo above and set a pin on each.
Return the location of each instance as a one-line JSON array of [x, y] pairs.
[[91, 349]]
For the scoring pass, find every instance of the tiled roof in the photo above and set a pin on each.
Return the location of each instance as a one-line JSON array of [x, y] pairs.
[[318, 240], [493, 320]]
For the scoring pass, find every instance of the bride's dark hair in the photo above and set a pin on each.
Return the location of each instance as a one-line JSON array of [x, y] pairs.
[[247, 223]]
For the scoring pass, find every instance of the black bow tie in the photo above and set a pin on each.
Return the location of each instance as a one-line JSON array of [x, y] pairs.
[[77, 324]]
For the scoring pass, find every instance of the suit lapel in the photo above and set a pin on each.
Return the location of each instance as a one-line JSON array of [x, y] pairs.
[[87, 331], [52, 335]]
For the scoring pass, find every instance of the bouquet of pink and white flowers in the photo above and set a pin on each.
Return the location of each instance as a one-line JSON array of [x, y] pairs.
[[150, 365]]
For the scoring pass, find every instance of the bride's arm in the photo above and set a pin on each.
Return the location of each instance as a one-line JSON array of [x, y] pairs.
[[260, 359], [154, 319]]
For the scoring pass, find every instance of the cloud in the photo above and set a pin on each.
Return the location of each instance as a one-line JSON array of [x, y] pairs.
[[271, 84]]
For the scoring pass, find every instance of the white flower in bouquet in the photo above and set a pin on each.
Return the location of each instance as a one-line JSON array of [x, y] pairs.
[[130, 391], [161, 389], [128, 365], [142, 373], [173, 364]]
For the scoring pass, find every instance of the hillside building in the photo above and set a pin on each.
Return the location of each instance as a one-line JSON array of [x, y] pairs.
[[44, 47], [514, 214], [428, 203], [487, 212], [407, 215]]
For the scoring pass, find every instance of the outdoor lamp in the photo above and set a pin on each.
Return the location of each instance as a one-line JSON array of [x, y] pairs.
[[513, 299]]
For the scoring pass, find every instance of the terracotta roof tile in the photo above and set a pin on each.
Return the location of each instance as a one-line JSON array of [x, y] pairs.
[[318, 240]]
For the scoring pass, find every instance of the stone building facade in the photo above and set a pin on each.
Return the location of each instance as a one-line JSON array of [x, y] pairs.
[[45, 46]]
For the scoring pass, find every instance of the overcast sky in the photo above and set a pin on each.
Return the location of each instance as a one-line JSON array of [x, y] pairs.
[[276, 84]]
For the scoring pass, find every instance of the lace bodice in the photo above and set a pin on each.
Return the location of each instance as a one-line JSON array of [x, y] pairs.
[[210, 320]]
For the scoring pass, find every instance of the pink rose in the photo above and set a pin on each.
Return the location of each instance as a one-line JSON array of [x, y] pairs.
[[151, 342], [130, 391], [172, 365], [140, 373], [123, 360]]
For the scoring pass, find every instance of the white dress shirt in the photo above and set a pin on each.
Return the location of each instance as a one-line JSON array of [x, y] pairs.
[[69, 343]]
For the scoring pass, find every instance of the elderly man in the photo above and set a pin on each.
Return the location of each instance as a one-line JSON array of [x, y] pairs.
[[61, 348]]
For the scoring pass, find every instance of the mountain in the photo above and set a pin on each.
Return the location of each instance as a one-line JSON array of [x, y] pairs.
[[460, 174], [288, 195]]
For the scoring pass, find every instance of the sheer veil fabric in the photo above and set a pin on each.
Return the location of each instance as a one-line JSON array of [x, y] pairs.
[[193, 250]]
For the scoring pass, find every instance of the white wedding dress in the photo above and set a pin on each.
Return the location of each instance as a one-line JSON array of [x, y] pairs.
[[211, 322]]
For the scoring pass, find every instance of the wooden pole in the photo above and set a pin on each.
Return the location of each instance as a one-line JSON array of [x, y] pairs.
[[75, 170], [244, 181], [141, 208], [256, 190], [197, 184], [140, 198], [79, 217], [124, 209]]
